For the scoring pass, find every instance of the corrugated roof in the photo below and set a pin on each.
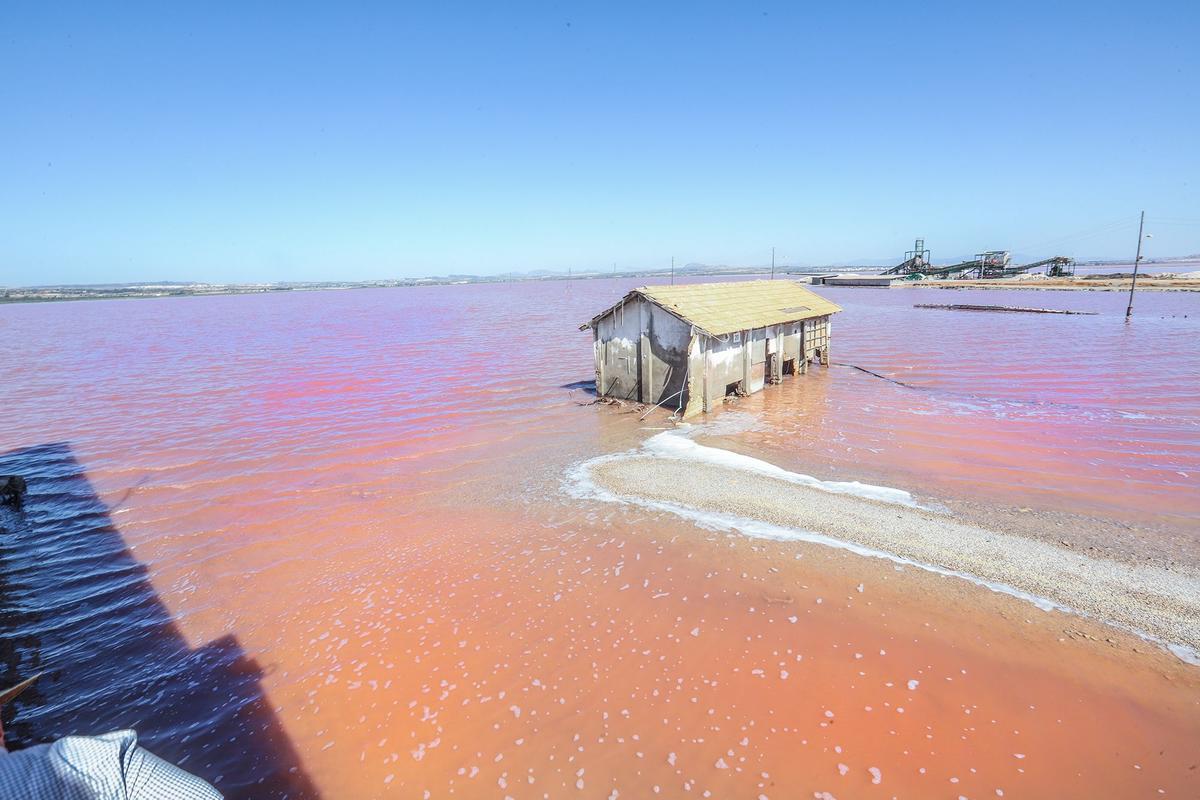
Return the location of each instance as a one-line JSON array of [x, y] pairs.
[[721, 308]]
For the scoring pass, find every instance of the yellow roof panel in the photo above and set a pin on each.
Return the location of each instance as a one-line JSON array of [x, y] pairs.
[[721, 308]]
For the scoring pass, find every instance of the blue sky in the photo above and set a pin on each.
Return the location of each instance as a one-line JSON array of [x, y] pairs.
[[240, 142]]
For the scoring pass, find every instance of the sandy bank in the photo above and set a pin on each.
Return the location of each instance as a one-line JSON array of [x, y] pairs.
[[1150, 600]]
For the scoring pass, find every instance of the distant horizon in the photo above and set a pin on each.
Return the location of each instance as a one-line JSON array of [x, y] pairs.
[[270, 143], [693, 268]]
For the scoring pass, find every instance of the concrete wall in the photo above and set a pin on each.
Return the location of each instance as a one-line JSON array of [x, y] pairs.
[[616, 342], [642, 354], [758, 360], [695, 398], [716, 363], [666, 342], [793, 344]]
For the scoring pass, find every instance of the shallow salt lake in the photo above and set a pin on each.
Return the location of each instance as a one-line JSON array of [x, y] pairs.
[[330, 531]]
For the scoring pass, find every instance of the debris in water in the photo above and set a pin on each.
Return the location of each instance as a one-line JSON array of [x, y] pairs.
[[970, 307]]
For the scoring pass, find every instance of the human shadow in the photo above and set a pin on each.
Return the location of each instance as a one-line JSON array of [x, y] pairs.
[[76, 605]]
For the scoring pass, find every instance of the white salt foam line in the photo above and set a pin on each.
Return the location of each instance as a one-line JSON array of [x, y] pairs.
[[672, 444], [581, 485]]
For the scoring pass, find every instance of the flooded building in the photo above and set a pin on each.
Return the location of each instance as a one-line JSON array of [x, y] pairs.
[[686, 347]]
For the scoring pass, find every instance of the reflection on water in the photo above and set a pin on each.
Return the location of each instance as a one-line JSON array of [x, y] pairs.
[[364, 489]]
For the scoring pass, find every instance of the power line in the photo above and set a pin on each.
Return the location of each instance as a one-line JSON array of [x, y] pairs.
[[1086, 233], [1095, 230], [1170, 221]]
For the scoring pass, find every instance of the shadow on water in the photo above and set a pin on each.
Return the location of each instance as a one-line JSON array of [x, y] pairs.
[[588, 387], [75, 603]]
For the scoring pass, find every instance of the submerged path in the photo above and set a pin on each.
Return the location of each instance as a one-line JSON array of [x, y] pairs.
[[1163, 604]]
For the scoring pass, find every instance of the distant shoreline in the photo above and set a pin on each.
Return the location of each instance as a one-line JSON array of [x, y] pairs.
[[127, 291], [130, 291]]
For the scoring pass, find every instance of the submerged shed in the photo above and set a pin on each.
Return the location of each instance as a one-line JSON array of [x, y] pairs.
[[686, 347]]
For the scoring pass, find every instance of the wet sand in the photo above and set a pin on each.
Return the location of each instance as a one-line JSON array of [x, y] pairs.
[[1165, 604]]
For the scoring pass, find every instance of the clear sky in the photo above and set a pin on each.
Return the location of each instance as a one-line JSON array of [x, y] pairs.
[[289, 141]]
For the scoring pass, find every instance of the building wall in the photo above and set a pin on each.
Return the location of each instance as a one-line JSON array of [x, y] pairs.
[[616, 342], [667, 340], [642, 353], [816, 339], [758, 360], [645, 353], [718, 363], [694, 397], [793, 334]]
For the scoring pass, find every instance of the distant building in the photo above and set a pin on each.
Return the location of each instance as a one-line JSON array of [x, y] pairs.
[[686, 347]]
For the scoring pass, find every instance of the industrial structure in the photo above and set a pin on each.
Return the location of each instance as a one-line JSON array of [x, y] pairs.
[[986, 265], [915, 260], [852, 279], [687, 347]]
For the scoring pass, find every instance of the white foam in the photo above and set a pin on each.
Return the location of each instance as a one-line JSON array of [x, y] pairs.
[[581, 485], [672, 444], [1185, 654], [677, 445]]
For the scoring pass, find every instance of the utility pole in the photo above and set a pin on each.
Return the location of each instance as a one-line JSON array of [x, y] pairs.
[[1136, 260], [672, 270], [772, 263]]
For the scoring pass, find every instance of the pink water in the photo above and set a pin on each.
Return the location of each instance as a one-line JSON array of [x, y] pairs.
[[348, 507], [1079, 413]]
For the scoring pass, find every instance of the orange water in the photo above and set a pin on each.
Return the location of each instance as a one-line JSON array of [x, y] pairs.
[[350, 513]]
